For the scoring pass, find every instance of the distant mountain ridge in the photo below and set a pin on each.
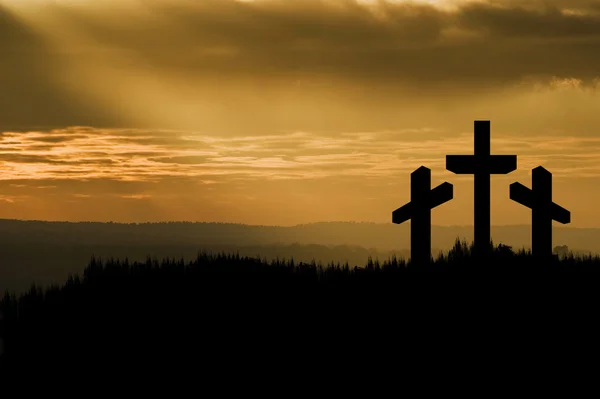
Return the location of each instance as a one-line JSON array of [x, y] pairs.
[[363, 234]]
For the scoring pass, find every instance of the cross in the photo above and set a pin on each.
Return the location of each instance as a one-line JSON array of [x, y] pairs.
[[422, 200], [481, 165], [543, 210]]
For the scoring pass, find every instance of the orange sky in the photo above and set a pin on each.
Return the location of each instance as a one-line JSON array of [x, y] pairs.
[[280, 112]]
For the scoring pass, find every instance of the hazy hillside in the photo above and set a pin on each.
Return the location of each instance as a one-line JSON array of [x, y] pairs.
[[368, 235], [47, 252]]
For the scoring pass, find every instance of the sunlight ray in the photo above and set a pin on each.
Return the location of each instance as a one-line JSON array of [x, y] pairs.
[[114, 82]]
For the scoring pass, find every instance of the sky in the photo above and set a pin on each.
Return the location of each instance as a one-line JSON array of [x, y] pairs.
[[283, 112]]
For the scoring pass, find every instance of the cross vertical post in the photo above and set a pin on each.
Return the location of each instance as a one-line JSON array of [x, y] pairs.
[[482, 185], [541, 226], [422, 200], [543, 210], [482, 165], [420, 236]]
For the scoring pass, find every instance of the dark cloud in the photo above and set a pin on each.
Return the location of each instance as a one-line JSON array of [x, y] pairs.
[[41, 159], [398, 42], [183, 160], [158, 141], [57, 139], [28, 158], [143, 154], [37, 147], [548, 22], [228, 55]]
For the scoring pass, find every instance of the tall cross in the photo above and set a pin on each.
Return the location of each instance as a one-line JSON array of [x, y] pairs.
[[481, 165], [543, 210], [422, 200]]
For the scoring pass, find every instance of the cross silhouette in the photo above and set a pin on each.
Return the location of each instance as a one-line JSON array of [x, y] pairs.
[[422, 200], [481, 165], [543, 210]]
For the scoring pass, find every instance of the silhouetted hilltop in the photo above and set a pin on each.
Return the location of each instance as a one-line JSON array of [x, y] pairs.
[[47, 252], [52, 263], [222, 309]]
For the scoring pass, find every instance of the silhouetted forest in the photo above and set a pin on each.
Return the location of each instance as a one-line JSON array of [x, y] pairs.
[[52, 263], [225, 308], [47, 252]]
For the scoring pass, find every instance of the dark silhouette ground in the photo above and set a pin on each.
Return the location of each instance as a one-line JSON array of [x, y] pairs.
[[228, 312]]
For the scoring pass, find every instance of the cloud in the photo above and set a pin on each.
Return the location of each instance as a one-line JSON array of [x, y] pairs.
[[182, 64], [557, 21], [8, 198], [404, 42], [100, 155], [136, 196], [57, 138]]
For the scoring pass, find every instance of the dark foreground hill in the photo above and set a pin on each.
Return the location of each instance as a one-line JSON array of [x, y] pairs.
[[47, 252], [228, 311], [24, 263]]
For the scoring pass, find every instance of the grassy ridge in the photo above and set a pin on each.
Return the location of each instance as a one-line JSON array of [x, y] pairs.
[[223, 306]]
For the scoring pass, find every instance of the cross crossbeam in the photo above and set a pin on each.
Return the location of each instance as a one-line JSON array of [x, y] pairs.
[[422, 200], [482, 165], [543, 210]]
